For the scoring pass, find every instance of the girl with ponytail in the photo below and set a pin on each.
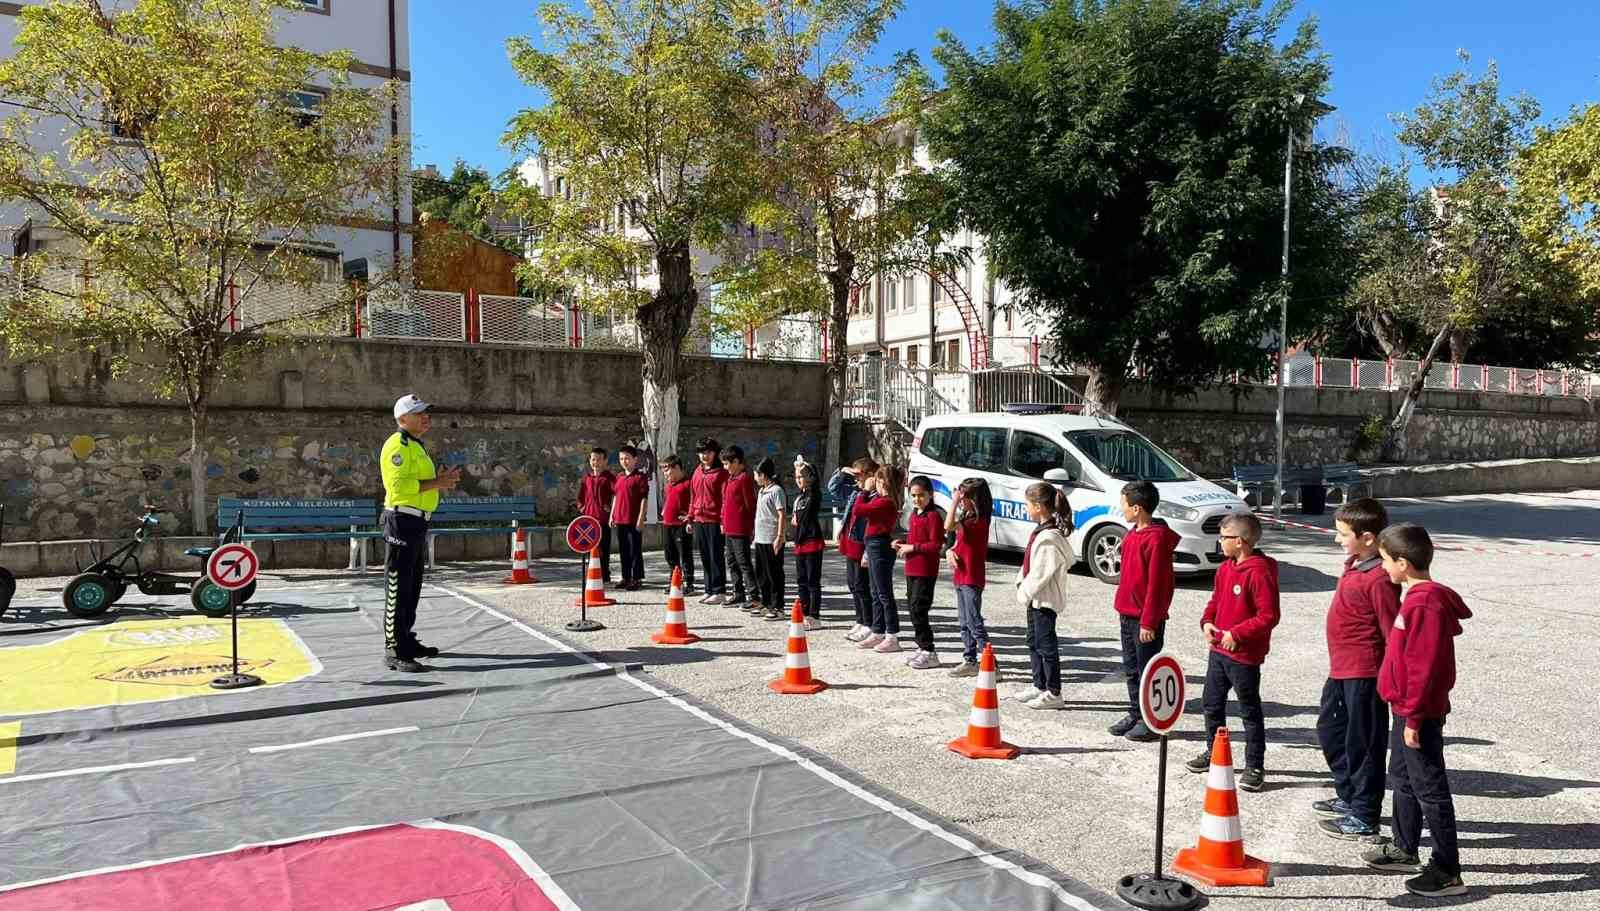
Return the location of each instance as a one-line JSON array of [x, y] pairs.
[[882, 515], [1042, 589]]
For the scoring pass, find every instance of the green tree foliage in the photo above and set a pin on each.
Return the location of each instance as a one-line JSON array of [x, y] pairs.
[[1558, 179], [1124, 161], [458, 199], [174, 146], [649, 119]]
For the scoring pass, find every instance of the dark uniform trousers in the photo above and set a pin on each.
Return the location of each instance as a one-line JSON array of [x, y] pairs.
[[407, 537]]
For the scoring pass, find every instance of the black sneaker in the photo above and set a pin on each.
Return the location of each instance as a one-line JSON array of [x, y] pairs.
[[405, 665], [1252, 779], [1123, 726], [1391, 858], [1199, 764], [1335, 808], [418, 650], [1434, 883], [1349, 828], [1141, 734]]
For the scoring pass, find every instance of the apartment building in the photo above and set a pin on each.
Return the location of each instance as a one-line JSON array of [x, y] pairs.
[[376, 33]]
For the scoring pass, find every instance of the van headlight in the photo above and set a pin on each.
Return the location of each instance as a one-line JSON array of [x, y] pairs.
[[1173, 511]]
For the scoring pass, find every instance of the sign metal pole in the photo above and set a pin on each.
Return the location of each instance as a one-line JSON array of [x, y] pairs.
[[236, 680], [1161, 701]]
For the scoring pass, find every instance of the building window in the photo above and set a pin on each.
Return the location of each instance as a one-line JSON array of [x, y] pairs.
[[306, 105], [966, 278], [891, 290], [866, 297], [315, 6], [894, 355], [911, 293], [911, 355], [934, 291], [1008, 319], [952, 354]]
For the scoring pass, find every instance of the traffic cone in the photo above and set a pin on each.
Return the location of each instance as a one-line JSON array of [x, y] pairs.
[[594, 589], [1219, 858], [983, 725], [676, 629], [520, 575], [796, 679]]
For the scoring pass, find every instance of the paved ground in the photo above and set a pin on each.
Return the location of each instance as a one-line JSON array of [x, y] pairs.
[[1526, 779]]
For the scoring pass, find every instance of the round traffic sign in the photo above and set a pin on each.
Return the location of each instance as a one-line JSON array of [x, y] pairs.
[[583, 534], [232, 566], [1161, 693]]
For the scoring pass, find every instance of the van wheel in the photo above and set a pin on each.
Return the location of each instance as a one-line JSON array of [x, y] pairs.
[[1104, 553]]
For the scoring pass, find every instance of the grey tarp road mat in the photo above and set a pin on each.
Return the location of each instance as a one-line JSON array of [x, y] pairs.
[[518, 775]]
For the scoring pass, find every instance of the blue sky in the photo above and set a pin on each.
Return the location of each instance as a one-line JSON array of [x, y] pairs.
[[1384, 52]]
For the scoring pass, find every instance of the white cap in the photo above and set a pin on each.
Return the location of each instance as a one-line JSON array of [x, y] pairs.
[[409, 404]]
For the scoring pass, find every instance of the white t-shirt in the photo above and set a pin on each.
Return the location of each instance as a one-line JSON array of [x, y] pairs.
[[769, 502]]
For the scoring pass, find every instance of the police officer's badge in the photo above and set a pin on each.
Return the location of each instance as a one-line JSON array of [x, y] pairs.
[[397, 459]]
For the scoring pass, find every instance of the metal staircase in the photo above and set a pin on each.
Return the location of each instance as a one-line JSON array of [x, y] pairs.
[[977, 336]]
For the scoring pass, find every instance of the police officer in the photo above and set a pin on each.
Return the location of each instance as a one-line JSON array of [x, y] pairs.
[[411, 490]]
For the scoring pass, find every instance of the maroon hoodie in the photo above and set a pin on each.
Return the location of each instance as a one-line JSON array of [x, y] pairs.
[[705, 494], [739, 505], [1419, 664], [1244, 602], [1145, 589], [926, 536], [1359, 619]]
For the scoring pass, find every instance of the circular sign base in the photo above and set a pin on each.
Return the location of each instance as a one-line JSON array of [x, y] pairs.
[[585, 626], [1142, 890], [236, 682]]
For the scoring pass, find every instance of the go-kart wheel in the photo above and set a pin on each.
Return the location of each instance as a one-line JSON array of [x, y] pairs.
[[246, 593], [118, 589], [8, 587], [210, 599], [87, 595]]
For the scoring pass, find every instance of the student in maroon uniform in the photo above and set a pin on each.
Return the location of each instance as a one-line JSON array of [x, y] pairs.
[[1238, 625], [738, 524], [1144, 596], [595, 496], [1419, 670], [849, 486], [1353, 724], [968, 558], [920, 550], [705, 511], [627, 517], [677, 530], [808, 543], [882, 513]]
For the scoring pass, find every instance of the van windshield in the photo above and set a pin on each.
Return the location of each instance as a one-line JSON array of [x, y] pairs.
[[1127, 456]]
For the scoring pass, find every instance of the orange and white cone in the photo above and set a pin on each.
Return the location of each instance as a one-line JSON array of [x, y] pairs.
[[1219, 859], [983, 725], [797, 679], [594, 588], [520, 575], [676, 629]]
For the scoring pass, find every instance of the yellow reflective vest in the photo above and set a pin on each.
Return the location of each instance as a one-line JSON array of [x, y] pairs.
[[405, 465]]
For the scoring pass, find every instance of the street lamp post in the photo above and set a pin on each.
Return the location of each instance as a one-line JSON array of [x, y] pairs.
[[1283, 311]]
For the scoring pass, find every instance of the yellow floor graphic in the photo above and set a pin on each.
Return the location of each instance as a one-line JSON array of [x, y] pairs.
[[9, 731], [135, 661]]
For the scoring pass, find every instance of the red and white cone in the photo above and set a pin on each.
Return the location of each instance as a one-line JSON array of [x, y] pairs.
[[983, 725], [520, 574], [594, 587], [797, 679], [676, 630]]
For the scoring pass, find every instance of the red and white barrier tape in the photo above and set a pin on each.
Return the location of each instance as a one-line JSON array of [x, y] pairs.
[[1460, 547]]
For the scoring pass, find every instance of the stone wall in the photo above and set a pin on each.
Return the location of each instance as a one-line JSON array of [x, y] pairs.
[[81, 450]]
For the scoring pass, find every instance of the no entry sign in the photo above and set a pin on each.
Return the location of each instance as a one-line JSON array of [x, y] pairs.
[[1161, 693], [232, 566], [583, 534]]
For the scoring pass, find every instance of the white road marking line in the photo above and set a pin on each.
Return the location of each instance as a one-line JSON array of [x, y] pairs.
[[278, 748], [97, 770], [1027, 876]]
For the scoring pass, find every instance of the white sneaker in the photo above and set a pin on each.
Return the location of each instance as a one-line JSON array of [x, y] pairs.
[[708, 599], [890, 643], [871, 641], [717, 599], [913, 656], [1028, 695], [924, 661], [813, 623], [1048, 700], [856, 633]]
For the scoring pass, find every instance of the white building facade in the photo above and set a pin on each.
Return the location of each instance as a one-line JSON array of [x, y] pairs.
[[376, 33]]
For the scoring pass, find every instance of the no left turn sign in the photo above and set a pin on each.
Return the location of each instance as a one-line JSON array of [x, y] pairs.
[[232, 566], [1161, 693]]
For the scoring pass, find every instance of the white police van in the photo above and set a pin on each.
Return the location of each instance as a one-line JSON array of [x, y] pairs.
[[1014, 448]]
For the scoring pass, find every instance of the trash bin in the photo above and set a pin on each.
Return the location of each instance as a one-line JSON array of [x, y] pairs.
[[1313, 499]]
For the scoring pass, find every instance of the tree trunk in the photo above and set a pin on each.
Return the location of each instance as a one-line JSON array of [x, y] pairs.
[[663, 325], [198, 418], [838, 363], [1103, 395], [1458, 345], [1394, 441]]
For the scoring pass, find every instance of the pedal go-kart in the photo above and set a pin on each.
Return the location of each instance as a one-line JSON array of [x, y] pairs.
[[92, 591], [8, 582]]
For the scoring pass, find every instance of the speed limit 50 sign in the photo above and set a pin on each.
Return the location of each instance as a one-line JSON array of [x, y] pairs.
[[1161, 693]]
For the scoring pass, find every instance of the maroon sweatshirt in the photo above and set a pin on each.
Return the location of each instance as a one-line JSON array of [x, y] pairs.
[[1419, 664], [631, 491], [880, 514], [739, 505], [926, 537], [705, 494], [1359, 619], [972, 551], [1145, 589], [1244, 602], [675, 503], [595, 495]]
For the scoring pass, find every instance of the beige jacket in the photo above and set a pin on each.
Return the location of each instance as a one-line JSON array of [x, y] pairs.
[[1046, 583]]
